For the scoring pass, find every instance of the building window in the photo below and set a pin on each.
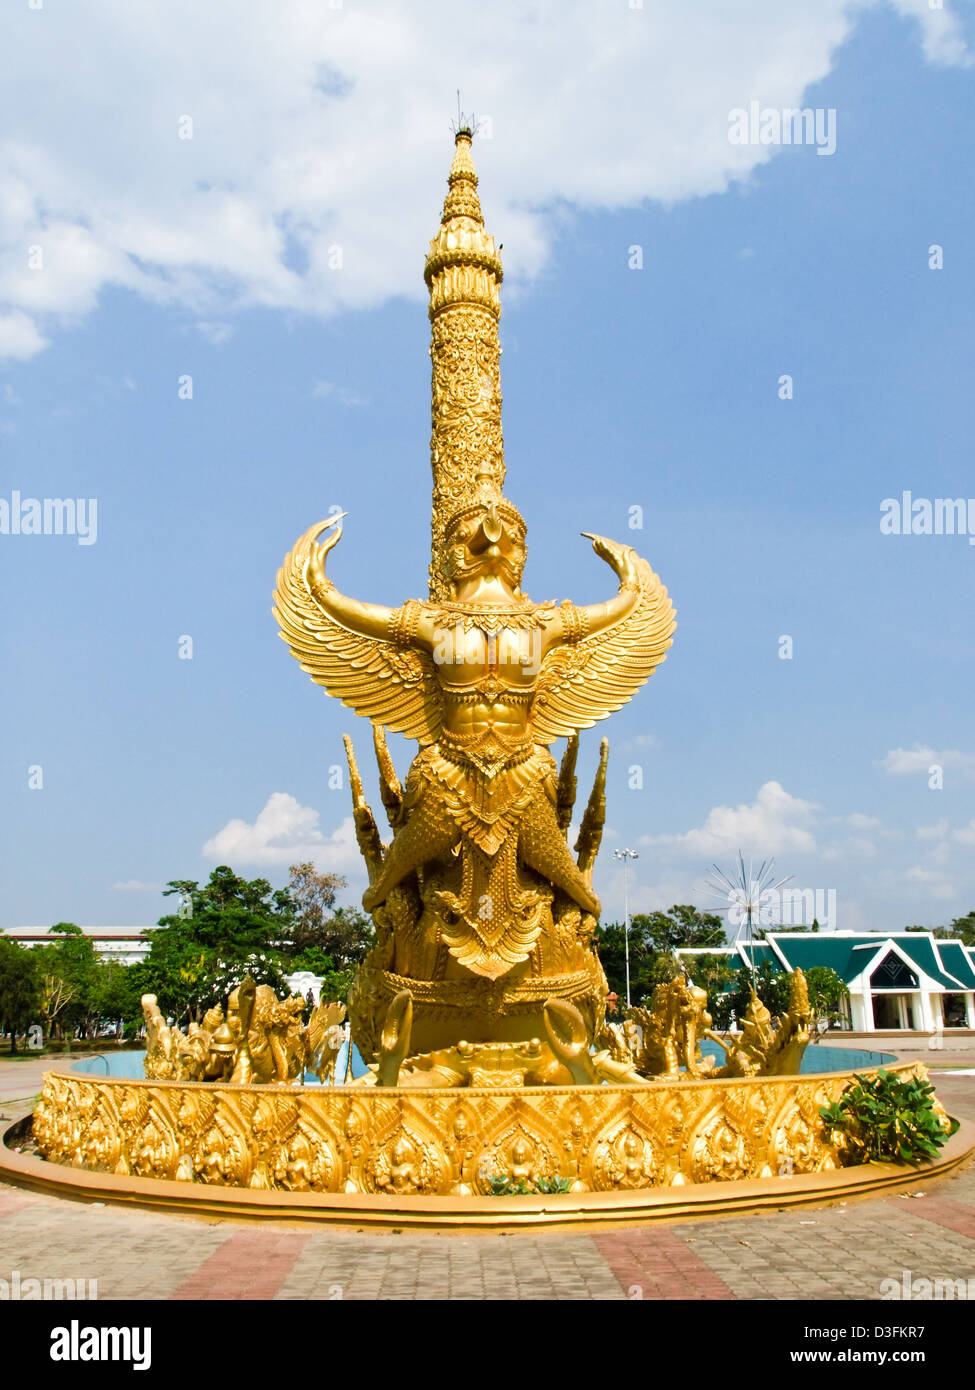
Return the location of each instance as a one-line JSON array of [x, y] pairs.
[[892, 973]]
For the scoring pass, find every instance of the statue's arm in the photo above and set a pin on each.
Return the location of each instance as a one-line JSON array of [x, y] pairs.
[[573, 624], [367, 619], [408, 626]]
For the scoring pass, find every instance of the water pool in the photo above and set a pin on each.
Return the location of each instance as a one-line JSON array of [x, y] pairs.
[[819, 1057], [130, 1065]]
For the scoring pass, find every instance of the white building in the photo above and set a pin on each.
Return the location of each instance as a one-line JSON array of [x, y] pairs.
[[124, 944], [904, 981]]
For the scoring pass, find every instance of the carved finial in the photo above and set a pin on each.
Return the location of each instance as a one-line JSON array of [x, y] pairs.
[[463, 274]]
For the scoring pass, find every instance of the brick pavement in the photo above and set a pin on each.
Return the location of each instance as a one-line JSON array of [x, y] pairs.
[[836, 1251]]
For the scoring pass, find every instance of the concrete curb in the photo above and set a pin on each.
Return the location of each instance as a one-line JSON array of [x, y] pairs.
[[592, 1210]]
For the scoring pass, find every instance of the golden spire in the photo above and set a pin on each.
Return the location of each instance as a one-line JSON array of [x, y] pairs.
[[463, 274]]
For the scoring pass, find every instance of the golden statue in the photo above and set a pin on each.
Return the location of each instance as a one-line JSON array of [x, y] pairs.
[[671, 1030], [484, 974], [261, 1040], [482, 911], [767, 1046]]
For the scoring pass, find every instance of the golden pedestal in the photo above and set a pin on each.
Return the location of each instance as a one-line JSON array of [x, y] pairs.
[[364, 1140]]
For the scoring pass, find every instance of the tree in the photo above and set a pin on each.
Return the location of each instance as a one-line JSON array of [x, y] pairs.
[[771, 988], [654, 937], [20, 989], [69, 971], [231, 926], [683, 925], [648, 967], [827, 992], [342, 935], [963, 928], [313, 896], [711, 972], [116, 996], [780, 929], [56, 994], [223, 930]]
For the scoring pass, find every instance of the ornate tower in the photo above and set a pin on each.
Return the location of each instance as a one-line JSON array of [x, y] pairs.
[[485, 918], [463, 274]]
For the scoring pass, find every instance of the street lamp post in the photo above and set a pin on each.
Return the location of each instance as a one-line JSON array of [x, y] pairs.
[[626, 855]]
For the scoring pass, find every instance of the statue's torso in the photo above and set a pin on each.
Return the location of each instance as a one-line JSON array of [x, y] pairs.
[[487, 677]]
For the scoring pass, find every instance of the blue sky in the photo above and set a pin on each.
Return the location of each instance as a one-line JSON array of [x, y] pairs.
[[656, 388]]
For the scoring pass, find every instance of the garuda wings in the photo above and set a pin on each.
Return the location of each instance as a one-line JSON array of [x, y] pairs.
[[586, 681], [578, 683], [380, 680]]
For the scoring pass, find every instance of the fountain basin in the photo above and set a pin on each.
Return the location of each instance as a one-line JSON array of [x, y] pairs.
[[421, 1159]]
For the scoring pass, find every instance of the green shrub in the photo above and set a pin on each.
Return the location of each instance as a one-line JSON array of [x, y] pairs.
[[505, 1186], [889, 1118]]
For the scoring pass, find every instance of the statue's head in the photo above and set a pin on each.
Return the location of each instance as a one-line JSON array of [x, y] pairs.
[[486, 538]]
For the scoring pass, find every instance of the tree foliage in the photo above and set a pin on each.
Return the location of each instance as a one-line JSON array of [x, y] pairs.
[[20, 989], [222, 930], [772, 989], [710, 972], [654, 937], [231, 926], [69, 971], [827, 992], [682, 926], [328, 941], [960, 929]]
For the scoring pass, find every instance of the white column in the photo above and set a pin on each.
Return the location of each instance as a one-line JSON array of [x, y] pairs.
[[926, 1021], [866, 1006], [970, 1009]]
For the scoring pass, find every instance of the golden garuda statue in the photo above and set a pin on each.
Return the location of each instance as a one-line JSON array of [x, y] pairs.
[[482, 911]]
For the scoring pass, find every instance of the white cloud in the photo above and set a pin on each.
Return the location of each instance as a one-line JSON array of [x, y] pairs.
[[906, 762], [215, 333], [285, 832], [641, 743], [343, 395], [938, 831], [136, 885], [20, 337], [774, 822], [941, 37], [316, 127], [854, 847], [965, 836], [933, 880]]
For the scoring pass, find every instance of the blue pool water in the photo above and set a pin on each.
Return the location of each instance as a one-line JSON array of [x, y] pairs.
[[818, 1057], [130, 1065]]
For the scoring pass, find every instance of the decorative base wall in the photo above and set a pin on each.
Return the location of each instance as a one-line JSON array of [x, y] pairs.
[[444, 1142]]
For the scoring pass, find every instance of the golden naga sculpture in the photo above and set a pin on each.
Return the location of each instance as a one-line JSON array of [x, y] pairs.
[[671, 1030], [260, 1040], [767, 1046], [482, 912]]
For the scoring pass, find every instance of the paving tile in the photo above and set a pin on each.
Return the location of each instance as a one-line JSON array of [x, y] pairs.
[[838, 1251]]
